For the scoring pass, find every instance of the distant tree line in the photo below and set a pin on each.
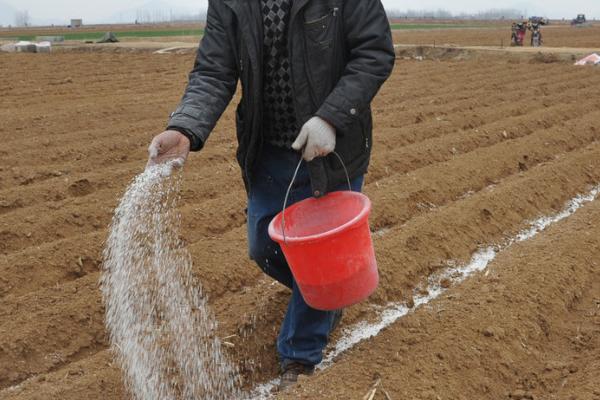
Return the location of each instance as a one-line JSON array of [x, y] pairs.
[[160, 16], [155, 16], [500, 13], [145, 16]]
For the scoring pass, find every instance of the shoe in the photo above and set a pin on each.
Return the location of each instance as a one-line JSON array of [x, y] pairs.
[[291, 372], [337, 318]]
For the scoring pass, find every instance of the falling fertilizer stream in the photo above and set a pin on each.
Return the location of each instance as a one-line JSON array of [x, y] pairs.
[[161, 328]]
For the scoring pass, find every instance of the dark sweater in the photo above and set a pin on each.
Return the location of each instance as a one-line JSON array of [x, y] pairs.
[[279, 119]]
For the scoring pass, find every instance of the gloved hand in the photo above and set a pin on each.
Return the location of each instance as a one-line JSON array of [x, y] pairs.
[[169, 146], [317, 137]]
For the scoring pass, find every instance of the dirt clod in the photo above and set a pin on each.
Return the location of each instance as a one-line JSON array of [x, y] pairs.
[[446, 283]]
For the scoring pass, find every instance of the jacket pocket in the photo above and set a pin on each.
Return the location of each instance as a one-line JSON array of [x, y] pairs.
[[319, 24]]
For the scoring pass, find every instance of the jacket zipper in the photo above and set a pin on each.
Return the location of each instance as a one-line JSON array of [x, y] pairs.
[[311, 82], [246, 71], [333, 12], [249, 71], [291, 60], [335, 44]]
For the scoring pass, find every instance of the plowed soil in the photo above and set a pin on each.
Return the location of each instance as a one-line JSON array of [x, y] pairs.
[[466, 153]]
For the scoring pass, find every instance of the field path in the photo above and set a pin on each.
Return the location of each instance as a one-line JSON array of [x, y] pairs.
[[526, 50]]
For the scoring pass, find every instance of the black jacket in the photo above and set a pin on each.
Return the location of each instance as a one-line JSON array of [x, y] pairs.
[[341, 52]]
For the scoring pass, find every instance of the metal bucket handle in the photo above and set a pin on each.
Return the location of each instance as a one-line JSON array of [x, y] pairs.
[[287, 195]]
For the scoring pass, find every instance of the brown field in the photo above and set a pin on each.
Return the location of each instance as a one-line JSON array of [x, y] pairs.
[[466, 153]]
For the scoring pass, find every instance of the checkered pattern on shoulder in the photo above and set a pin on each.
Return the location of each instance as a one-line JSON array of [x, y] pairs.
[[279, 120]]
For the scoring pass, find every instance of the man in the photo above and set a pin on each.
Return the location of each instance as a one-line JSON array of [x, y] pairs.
[[513, 35], [536, 33], [309, 70]]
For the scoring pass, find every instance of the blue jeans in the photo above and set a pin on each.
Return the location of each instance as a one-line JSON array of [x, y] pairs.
[[305, 331]]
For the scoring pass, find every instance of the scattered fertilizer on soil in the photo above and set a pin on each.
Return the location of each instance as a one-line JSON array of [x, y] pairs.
[[479, 262], [161, 328], [395, 311]]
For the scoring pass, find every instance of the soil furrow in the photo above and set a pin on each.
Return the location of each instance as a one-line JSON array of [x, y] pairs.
[[31, 234], [206, 219], [452, 232], [411, 195], [493, 336]]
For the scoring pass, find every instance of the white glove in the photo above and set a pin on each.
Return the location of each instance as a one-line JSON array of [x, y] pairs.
[[317, 137]]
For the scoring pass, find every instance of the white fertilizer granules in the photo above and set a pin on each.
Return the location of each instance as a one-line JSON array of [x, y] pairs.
[[160, 326]]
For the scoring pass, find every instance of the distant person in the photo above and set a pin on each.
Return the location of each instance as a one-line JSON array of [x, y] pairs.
[[309, 70], [536, 34], [519, 31], [513, 35]]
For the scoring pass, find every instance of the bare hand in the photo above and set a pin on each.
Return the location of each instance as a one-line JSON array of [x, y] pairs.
[[168, 146]]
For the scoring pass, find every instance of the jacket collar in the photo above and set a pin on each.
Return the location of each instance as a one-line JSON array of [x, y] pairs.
[[248, 14], [297, 5], [240, 5]]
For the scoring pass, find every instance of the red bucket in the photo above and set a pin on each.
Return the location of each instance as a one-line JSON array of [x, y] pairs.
[[327, 243]]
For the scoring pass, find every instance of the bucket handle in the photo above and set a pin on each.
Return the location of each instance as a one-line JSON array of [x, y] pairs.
[[287, 194]]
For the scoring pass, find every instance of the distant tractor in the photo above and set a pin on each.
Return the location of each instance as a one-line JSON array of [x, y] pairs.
[[580, 20]]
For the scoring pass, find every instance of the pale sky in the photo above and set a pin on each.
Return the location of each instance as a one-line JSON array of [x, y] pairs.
[[44, 10]]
